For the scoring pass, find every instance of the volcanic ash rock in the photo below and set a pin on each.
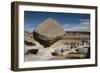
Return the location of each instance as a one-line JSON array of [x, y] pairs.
[[48, 32]]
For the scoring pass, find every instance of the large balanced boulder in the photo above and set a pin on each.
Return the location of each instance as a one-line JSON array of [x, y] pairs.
[[48, 32]]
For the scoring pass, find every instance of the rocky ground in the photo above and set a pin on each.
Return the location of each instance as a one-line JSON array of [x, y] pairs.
[[46, 53]]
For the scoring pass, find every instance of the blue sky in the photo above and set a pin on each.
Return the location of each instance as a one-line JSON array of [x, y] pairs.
[[70, 21]]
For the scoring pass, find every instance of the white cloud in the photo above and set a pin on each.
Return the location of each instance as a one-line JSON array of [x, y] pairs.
[[29, 28], [83, 26], [84, 20], [66, 25]]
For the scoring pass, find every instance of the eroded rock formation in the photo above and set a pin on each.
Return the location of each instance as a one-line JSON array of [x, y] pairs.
[[48, 32]]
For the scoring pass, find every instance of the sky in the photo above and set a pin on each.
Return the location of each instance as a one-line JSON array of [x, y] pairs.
[[70, 21]]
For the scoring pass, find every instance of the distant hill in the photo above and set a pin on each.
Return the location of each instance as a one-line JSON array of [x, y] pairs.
[[78, 32]]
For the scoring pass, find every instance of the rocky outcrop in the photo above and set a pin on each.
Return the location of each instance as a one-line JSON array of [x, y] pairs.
[[48, 32]]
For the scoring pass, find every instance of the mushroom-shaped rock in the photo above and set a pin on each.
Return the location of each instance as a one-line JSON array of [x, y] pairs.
[[48, 32]]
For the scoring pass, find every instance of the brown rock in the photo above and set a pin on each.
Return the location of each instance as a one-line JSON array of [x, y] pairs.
[[48, 32]]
